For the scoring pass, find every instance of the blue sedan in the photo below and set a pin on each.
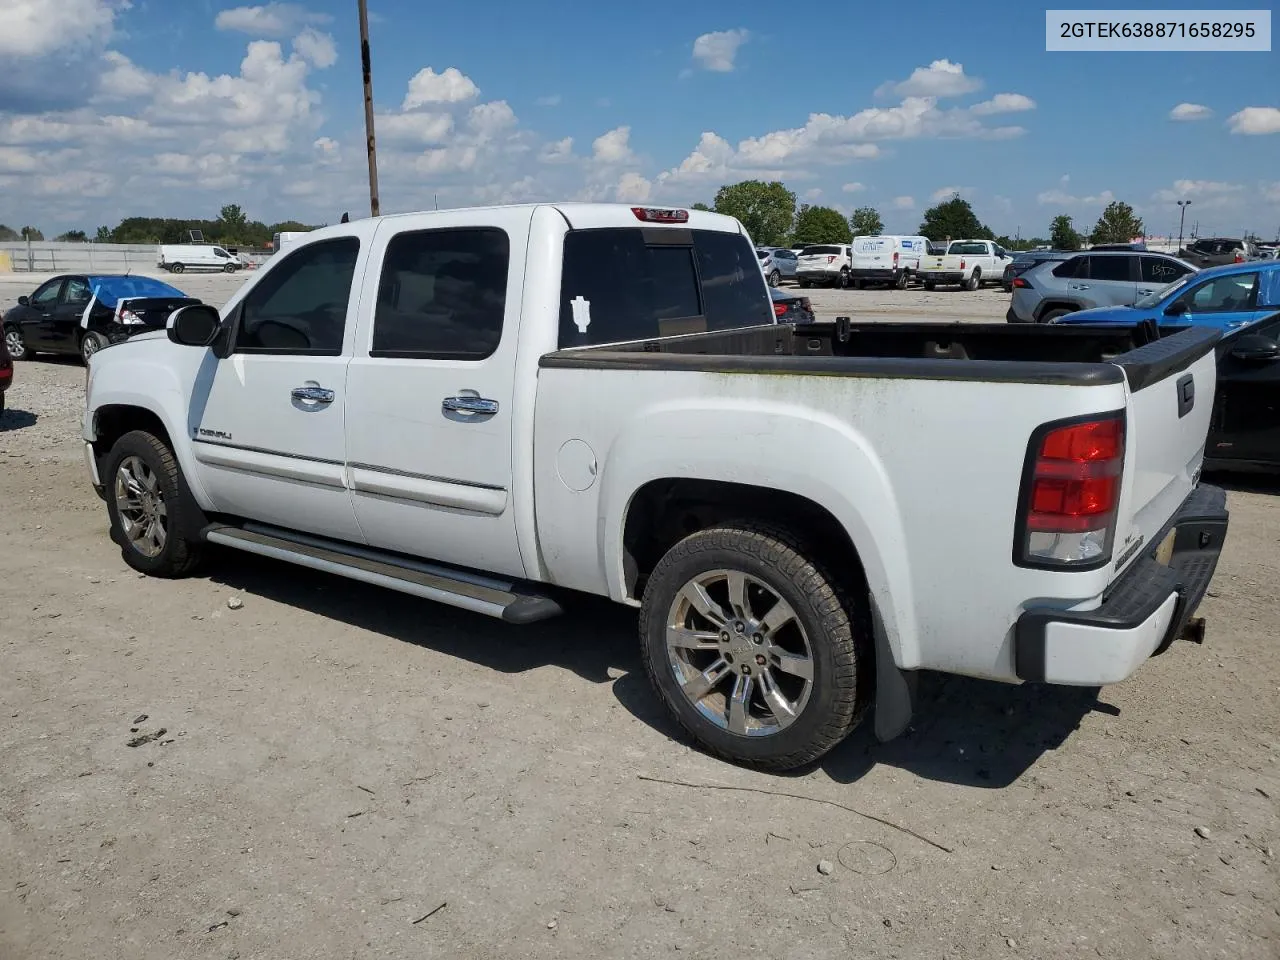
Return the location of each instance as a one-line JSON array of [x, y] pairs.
[[1227, 297]]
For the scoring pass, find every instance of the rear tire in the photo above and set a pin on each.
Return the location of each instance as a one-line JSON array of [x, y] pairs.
[[774, 278], [1051, 315], [930, 285], [154, 519], [843, 281], [804, 284], [17, 344], [177, 268], [783, 690], [90, 344], [974, 282], [900, 281]]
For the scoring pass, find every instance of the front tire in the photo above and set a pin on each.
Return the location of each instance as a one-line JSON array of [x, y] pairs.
[[17, 344], [154, 518], [229, 268], [753, 647]]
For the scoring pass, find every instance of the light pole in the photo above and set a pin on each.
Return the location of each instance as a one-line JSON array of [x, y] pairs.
[[1182, 219], [367, 65]]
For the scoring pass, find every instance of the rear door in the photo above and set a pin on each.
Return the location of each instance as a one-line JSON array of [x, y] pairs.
[[1156, 273], [1112, 280], [1246, 423]]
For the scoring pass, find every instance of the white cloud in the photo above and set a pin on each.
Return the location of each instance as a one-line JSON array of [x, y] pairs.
[[558, 151], [269, 20], [36, 28], [327, 145], [316, 48], [633, 188], [122, 80], [942, 78], [420, 128], [813, 193], [1206, 194], [853, 188], [1255, 120], [450, 86], [1270, 191], [15, 160], [1190, 111], [551, 100], [1061, 198], [946, 193], [903, 203], [1003, 103], [613, 147], [490, 119], [717, 51]]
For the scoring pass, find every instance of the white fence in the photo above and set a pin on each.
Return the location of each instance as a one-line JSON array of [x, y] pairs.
[[43, 256]]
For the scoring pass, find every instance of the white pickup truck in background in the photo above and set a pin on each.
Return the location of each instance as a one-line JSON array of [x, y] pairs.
[[503, 408], [967, 263]]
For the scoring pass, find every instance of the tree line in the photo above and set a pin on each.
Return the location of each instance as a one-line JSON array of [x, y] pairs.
[[773, 217], [232, 228]]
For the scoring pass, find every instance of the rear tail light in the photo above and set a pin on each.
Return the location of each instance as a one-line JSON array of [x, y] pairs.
[[779, 310], [831, 259], [1024, 284], [129, 318], [962, 264], [895, 259], [1239, 257], [656, 215], [1071, 494]]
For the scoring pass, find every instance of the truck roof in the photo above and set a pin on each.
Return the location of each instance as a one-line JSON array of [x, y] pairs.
[[585, 216]]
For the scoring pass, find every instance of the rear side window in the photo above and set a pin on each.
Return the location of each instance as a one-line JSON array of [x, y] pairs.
[[1161, 270], [300, 306], [1073, 269], [442, 294], [1109, 268], [632, 284]]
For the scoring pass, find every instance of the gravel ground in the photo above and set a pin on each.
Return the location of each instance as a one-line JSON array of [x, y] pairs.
[[333, 771]]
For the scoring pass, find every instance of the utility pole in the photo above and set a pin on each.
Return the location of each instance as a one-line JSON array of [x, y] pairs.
[[1182, 217], [367, 65]]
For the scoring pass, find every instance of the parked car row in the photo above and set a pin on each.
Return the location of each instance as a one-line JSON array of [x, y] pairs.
[[1049, 288]]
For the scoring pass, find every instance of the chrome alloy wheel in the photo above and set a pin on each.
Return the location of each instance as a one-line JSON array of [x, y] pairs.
[[739, 653], [144, 518]]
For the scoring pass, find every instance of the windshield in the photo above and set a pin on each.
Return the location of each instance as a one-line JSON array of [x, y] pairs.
[[1153, 299], [110, 290]]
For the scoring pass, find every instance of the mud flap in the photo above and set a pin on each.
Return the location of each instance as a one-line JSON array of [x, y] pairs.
[[895, 688]]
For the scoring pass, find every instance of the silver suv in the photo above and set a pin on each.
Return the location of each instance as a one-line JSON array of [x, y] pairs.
[[1094, 279]]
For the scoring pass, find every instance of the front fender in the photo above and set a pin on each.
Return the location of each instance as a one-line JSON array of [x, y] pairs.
[[779, 446], [156, 376]]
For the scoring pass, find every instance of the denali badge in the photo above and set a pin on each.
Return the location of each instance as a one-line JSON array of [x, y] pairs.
[[215, 434]]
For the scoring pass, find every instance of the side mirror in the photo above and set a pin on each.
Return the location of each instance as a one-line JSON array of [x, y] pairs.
[[195, 326], [24, 301], [1254, 346], [1176, 309]]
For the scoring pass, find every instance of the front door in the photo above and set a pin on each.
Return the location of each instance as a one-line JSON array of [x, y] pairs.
[[36, 318], [431, 389], [1246, 425], [1226, 302], [269, 423], [64, 327]]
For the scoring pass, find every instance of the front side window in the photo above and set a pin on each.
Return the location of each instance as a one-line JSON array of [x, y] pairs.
[[1227, 294], [300, 306], [47, 295], [442, 295]]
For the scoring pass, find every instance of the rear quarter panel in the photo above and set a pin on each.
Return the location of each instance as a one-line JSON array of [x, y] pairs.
[[922, 474]]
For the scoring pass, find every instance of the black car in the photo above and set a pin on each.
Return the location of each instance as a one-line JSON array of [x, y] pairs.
[[1024, 261], [81, 314], [1244, 433], [790, 307], [6, 372]]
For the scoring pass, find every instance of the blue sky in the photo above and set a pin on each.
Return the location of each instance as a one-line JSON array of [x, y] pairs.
[[111, 108]]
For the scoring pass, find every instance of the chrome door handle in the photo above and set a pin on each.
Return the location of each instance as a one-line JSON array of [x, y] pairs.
[[469, 405], [312, 394], [1145, 293]]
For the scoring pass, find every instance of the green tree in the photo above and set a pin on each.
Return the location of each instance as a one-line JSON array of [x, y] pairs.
[[232, 216], [31, 233], [955, 219], [8, 234], [1117, 224], [819, 225], [104, 235], [767, 210], [866, 222], [701, 206], [73, 236], [1063, 235]]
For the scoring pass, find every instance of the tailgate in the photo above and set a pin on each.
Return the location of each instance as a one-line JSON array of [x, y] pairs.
[[939, 263], [1171, 385], [155, 311]]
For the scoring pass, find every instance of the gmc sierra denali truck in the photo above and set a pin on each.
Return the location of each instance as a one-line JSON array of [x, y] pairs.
[[503, 408]]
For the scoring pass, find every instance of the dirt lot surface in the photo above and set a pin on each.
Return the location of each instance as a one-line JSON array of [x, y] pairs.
[[332, 771]]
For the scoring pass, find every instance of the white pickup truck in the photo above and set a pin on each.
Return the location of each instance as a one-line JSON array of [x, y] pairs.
[[504, 408], [967, 263]]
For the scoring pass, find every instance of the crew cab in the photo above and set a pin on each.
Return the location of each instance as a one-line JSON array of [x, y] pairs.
[[505, 408], [967, 263]]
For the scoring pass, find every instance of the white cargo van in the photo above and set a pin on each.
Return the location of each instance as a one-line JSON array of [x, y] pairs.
[[889, 260], [178, 257], [284, 240]]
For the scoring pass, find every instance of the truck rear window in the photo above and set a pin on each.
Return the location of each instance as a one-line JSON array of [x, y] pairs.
[[623, 284]]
